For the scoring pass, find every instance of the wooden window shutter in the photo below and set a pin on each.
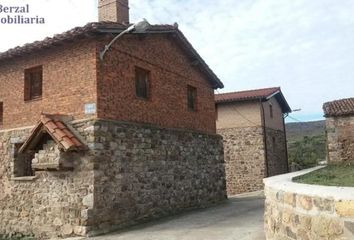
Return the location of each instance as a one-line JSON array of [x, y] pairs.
[[142, 83], [192, 98], [33, 83], [27, 90]]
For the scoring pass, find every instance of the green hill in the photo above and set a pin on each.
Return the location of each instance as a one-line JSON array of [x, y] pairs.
[[306, 143]]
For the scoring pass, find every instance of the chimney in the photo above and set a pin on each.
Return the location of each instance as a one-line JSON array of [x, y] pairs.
[[113, 10]]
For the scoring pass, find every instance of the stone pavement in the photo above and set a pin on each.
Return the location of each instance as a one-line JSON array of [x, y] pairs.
[[239, 218]]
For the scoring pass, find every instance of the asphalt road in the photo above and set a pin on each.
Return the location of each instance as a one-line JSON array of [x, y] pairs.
[[239, 218]]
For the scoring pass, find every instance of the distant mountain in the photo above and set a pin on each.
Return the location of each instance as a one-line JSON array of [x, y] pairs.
[[296, 131], [306, 144]]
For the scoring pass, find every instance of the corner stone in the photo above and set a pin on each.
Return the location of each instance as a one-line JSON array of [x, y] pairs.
[[88, 201], [67, 230], [345, 208]]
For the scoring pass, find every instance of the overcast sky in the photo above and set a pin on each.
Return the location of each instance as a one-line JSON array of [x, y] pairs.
[[304, 46]]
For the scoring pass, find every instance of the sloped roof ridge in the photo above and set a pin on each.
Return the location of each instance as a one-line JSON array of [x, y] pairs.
[[339, 107], [57, 129]]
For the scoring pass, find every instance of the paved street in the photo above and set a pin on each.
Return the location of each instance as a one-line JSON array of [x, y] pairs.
[[240, 218]]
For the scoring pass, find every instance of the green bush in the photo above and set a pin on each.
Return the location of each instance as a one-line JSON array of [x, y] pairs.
[[307, 151]]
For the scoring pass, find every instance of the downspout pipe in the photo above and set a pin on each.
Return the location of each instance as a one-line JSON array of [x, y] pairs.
[[264, 138], [285, 115]]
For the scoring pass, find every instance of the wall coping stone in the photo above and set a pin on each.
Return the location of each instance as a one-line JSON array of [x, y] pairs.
[[150, 125], [25, 179], [284, 183]]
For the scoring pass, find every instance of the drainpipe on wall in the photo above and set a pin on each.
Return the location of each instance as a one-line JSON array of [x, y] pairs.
[[286, 143], [264, 138]]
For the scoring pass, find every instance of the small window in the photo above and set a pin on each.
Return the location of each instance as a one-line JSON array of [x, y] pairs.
[[1, 113], [192, 98], [271, 110], [216, 112], [22, 162], [273, 144], [33, 83], [142, 83]]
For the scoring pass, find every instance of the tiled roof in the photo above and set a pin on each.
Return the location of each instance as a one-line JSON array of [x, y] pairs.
[[96, 28], [245, 95], [339, 107], [256, 94], [57, 129]]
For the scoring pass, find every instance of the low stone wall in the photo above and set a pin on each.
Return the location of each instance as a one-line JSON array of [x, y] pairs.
[[244, 159], [340, 139], [307, 212]]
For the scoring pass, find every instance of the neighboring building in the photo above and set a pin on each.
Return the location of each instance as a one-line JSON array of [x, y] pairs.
[[252, 125], [90, 145], [340, 130]]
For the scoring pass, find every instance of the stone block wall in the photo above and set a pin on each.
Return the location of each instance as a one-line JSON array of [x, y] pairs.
[[144, 172], [130, 173], [50, 203], [340, 139], [307, 212], [276, 152], [244, 159]]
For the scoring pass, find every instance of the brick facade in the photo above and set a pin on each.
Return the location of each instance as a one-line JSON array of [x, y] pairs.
[[170, 75], [69, 81], [74, 76]]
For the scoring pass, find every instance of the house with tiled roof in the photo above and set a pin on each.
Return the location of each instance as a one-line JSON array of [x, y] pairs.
[[99, 132], [340, 130], [252, 125]]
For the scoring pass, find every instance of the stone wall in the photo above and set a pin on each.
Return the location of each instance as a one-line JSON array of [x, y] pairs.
[[50, 203], [276, 152], [307, 212], [340, 139], [130, 173], [144, 172], [244, 159]]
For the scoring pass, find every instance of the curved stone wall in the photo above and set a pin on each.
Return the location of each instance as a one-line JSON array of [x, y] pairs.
[[307, 212]]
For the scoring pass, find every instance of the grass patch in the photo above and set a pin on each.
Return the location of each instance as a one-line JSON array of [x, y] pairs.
[[342, 176]]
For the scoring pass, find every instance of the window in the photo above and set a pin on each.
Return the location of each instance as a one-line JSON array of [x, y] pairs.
[[271, 110], [142, 83], [1, 113], [216, 112], [273, 144], [22, 162], [33, 83], [192, 98]]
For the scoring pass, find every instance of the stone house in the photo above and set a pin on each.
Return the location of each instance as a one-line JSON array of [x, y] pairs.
[[90, 145], [252, 125], [340, 130]]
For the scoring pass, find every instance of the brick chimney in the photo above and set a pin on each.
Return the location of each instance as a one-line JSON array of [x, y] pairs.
[[113, 10]]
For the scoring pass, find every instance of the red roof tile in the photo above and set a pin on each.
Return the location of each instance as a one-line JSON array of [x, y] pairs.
[[246, 95], [95, 28], [59, 132], [341, 107], [256, 94]]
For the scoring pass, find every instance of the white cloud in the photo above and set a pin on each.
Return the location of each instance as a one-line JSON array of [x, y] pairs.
[[303, 46]]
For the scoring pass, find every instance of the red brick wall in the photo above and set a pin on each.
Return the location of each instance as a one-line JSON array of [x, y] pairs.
[[70, 77], [170, 74], [69, 81]]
